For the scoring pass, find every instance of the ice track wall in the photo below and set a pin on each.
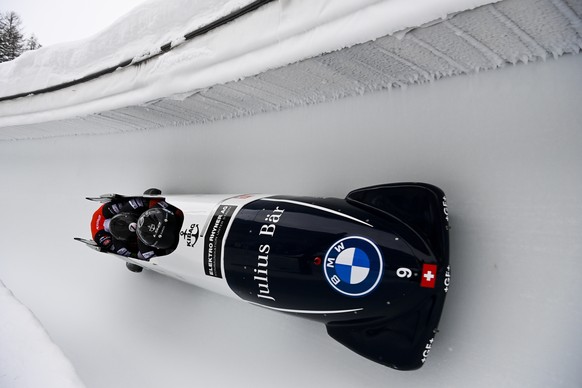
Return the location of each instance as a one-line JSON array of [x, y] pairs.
[[505, 145], [486, 38]]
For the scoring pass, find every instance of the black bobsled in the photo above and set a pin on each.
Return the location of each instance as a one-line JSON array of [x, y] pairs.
[[373, 267]]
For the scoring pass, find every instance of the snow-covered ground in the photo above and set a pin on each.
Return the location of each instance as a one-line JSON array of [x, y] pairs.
[[277, 34], [28, 357], [504, 145]]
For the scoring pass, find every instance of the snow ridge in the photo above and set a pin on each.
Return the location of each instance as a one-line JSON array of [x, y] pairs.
[[485, 38], [274, 36], [28, 357]]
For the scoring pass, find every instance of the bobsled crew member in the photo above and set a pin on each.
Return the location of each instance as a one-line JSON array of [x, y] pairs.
[[114, 227]]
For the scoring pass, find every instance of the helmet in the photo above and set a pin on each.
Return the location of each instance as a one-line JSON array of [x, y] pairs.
[[123, 225], [103, 239], [157, 227]]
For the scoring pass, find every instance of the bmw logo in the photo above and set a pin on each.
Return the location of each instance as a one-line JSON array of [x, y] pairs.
[[353, 266]]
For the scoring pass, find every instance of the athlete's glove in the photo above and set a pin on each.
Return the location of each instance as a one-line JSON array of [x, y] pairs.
[[103, 239]]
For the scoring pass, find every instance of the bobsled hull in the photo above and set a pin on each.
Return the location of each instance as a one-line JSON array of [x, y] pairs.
[[373, 267]]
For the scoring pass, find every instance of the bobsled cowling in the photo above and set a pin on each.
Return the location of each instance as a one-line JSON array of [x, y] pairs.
[[372, 267]]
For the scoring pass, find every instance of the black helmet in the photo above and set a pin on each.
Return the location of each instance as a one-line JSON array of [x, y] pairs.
[[156, 227], [123, 226], [103, 239]]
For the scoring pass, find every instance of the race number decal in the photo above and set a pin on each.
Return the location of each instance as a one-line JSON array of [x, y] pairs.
[[353, 266]]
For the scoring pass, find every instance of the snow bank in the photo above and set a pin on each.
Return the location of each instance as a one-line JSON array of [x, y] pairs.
[[275, 35], [28, 357], [139, 33]]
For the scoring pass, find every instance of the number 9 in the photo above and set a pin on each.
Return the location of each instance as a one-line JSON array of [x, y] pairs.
[[403, 272]]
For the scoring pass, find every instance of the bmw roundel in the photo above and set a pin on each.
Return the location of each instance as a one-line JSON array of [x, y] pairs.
[[353, 266]]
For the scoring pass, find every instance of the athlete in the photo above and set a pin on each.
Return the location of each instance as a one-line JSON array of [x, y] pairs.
[[136, 227]]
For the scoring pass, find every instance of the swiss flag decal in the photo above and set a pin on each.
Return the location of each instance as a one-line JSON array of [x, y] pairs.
[[429, 272]]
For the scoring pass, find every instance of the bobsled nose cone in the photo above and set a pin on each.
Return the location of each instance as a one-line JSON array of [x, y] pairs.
[[420, 206], [401, 342]]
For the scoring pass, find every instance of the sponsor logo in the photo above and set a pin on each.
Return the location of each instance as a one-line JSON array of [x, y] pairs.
[[100, 221], [190, 235], [445, 209], [427, 349], [447, 278], [428, 278], [261, 272], [214, 238], [353, 266], [244, 196]]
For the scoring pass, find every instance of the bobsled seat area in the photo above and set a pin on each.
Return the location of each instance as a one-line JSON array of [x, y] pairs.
[[140, 224]]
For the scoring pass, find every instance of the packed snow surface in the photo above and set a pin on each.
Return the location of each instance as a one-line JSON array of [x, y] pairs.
[[275, 35]]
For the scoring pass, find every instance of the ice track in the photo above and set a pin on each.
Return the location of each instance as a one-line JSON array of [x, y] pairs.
[[504, 145]]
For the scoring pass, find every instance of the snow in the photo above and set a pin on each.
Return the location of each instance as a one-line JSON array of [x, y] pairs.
[[28, 357], [277, 34], [504, 145]]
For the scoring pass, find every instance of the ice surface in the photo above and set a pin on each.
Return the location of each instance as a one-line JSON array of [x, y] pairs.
[[504, 145]]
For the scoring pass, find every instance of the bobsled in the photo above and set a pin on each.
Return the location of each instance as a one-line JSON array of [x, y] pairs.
[[373, 267]]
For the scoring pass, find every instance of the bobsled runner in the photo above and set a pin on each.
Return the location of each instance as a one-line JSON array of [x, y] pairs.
[[373, 267]]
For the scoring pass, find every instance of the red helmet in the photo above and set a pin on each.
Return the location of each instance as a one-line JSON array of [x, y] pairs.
[[97, 222]]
